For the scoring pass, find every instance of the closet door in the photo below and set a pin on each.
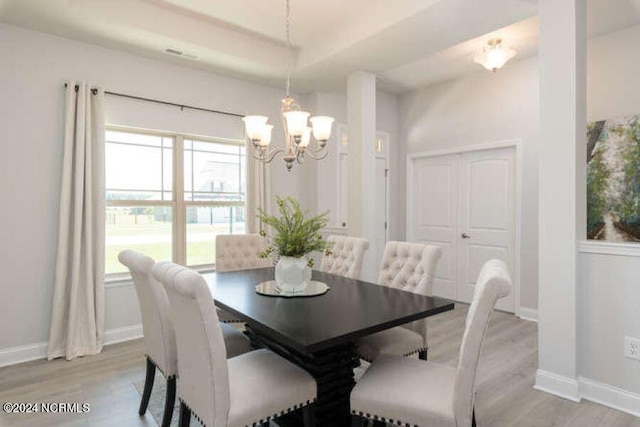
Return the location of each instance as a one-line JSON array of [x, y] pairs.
[[486, 217], [432, 207], [464, 203]]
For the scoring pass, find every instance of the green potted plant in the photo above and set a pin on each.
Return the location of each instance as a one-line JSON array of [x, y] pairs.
[[295, 235]]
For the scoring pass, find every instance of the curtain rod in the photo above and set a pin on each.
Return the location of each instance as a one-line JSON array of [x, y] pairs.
[[156, 101]]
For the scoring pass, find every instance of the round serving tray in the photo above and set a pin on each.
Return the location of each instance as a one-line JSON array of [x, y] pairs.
[[272, 289]]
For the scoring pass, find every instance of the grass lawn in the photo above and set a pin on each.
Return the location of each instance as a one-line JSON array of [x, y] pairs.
[[156, 243], [198, 253]]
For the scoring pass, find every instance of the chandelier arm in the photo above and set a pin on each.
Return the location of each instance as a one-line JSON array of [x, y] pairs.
[[313, 155], [267, 157]]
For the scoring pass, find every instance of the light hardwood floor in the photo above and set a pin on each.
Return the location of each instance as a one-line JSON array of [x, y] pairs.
[[505, 382]]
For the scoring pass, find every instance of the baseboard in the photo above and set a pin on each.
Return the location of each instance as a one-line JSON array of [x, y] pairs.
[[557, 385], [610, 396], [27, 353], [126, 333], [530, 314], [23, 353]]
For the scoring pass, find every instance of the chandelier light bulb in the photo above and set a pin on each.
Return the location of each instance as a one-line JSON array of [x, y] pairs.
[[306, 137], [265, 138], [254, 126], [494, 55], [321, 127], [296, 122]]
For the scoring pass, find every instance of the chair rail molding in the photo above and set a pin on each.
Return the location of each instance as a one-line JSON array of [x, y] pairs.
[[609, 248]]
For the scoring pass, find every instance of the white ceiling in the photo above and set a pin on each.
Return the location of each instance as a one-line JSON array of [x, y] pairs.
[[407, 43]]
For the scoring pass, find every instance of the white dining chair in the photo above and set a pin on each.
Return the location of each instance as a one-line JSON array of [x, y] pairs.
[[410, 392], [410, 267], [158, 333], [245, 390], [345, 256], [239, 252]]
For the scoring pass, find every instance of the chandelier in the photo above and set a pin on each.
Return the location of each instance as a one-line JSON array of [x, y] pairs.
[[494, 55], [297, 132]]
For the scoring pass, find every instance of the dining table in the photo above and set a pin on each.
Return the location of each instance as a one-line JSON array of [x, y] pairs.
[[319, 333]]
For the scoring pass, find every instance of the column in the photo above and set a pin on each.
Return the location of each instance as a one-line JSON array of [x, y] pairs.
[[562, 190], [361, 106]]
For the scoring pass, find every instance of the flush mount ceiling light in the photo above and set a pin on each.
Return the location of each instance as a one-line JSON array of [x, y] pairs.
[[297, 131], [494, 55]]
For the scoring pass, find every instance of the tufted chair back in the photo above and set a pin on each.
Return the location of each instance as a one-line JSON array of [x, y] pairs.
[[409, 266], [203, 382], [240, 252], [159, 339], [346, 256], [493, 283], [412, 268]]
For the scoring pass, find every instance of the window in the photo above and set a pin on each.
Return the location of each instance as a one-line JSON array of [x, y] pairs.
[[169, 195]]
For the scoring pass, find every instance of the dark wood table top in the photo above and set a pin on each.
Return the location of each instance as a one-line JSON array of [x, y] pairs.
[[351, 309]]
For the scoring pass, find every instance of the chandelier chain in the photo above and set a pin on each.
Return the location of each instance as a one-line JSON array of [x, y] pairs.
[[288, 31]]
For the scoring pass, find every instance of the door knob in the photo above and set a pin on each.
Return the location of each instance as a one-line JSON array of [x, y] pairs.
[[465, 236]]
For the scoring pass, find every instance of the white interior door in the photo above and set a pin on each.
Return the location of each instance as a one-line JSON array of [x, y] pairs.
[[466, 204], [487, 217], [433, 212], [380, 211]]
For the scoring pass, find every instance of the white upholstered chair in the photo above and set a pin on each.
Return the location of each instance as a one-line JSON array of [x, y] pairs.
[[410, 392], [345, 256], [239, 252], [158, 333], [246, 390], [410, 267]]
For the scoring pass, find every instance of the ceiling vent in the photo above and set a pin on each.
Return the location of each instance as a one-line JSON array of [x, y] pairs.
[[181, 54]]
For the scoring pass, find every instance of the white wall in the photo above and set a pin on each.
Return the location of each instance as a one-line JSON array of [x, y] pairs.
[[332, 104], [478, 109], [609, 286], [33, 68]]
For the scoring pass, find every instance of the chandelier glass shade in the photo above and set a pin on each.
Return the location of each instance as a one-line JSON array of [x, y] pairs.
[[494, 55], [295, 123]]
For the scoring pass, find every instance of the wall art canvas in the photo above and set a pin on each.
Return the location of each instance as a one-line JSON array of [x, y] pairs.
[[613, 180]]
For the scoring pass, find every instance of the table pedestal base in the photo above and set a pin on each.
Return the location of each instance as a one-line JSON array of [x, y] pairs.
[[333, 371]]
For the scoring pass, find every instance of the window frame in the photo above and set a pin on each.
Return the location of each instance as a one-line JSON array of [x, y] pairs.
[[178, 204]]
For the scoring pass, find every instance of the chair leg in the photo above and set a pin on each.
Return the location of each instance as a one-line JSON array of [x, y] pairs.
[[169, 402], [148, 386], [357, 421], [185, 416], [309, 415], [422, 355], [473, 418]]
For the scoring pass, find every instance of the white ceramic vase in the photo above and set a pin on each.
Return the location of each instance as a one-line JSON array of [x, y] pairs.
[[293, 274]]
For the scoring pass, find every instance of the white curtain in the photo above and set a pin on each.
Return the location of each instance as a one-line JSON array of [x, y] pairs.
[[77, 318], [257, 190]]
